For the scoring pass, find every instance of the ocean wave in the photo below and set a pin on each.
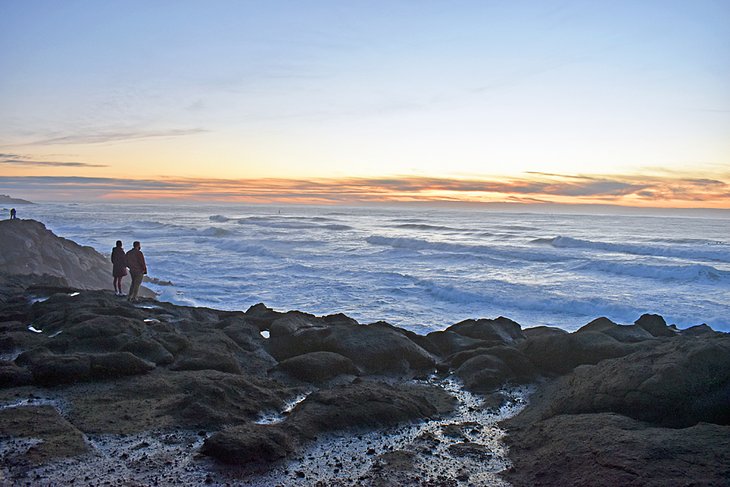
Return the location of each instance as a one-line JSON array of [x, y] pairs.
[[687, 273], [214, 232], [505, 296], [691, 253], [291, 223], [512, 254], [423, 226], [245, 247]]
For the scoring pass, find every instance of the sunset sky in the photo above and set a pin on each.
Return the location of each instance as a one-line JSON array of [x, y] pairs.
[[618, 102]]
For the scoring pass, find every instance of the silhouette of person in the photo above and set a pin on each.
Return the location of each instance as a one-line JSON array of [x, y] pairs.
[[12, 214], [137, 269], [119, 267]]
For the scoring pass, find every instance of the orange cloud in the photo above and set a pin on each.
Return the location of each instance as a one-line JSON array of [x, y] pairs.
[[648, 191]]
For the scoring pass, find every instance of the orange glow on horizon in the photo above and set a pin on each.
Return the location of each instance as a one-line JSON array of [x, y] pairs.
[[631, 191]]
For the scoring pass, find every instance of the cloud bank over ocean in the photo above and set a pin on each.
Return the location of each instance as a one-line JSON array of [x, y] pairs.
[[661, 191]]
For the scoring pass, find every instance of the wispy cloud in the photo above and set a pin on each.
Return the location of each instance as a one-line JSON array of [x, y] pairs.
[[114, 136], [553, 188], [23, 160]]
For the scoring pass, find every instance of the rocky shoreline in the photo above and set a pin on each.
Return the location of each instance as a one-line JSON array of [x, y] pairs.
[[97, 390]]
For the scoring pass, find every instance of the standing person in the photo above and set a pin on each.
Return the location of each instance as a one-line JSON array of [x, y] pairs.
[[137, 268], [12, 214], [119, 269]]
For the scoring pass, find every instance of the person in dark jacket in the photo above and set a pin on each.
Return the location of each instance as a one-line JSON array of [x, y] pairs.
[[137, 269], [119, 267], [12, 214]]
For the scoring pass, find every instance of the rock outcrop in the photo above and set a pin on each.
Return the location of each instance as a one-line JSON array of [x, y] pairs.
[[28, 247], [631, 404]]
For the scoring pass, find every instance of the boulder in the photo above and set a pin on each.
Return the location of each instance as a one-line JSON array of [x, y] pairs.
[[538, 331], [261, 316], [52, 369], [559, 354], [37, 435], [210, 399], [13, 376], [449, 342], [375, 348], [367, 404], [203, 359], [609, 449], [49, 369], [117, 364], [149, 350], [501, 330], [522, 370], [699, 330], [483, 373], [655, 325], [317, 366], [677, 383], [622, 333], [249, 444]]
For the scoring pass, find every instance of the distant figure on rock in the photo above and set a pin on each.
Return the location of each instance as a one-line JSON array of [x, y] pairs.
[[137, 268], [119, 269], [12, 214]]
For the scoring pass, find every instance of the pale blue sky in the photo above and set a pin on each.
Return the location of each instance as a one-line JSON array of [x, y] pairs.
[[238, 89]]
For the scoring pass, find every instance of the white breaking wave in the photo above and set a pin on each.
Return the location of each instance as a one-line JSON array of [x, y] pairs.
[[514, 253], [708, 252], [684, 273]]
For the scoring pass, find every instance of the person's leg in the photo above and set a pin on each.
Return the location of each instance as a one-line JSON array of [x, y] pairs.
[[134, 287], [137, 283]]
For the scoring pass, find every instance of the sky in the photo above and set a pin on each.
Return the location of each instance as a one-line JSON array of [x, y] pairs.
[[610, 102]]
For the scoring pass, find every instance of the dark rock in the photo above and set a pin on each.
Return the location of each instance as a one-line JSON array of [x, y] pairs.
[[539, 331], [473, 450], [622, 333], [202, 359], [699, 330], [367, 404], [117, 364], [678, 383], [450, 342], [261, 316], [59, 438], [249, 444], [375, 348], [245, 335], [483, 373], [13, 376], [210, 399], [52, 369], [559, 354], [609, 449], [655, 325], [317, 366], [149, 350], [501, 330]]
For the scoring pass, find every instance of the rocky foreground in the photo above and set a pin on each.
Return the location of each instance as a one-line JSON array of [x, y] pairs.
[[95, 390]]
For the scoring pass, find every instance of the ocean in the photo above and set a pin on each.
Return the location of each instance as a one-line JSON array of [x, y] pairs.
[[419, 268]]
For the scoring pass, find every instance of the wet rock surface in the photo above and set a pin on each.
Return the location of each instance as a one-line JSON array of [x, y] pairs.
[[105, 369], [659, 414]]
